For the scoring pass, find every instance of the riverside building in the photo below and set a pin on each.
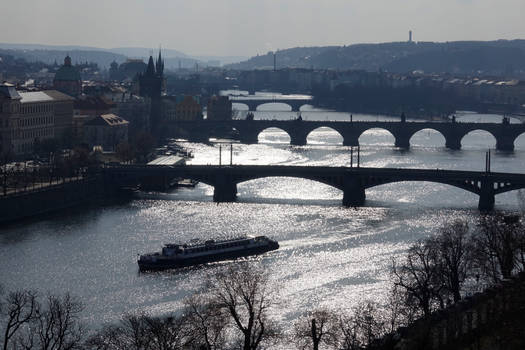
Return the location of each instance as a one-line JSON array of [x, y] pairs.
[[28, 118]]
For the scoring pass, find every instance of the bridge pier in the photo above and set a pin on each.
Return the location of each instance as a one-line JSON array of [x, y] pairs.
[[504, 144], [402, 142], [248, 138], [297, 139], [453, 142], [198, 136], [350, 140], [225, 189], [296, 107], [486, 197], [353, 192]]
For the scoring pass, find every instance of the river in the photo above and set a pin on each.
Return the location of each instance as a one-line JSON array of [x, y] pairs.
[[330, 255]]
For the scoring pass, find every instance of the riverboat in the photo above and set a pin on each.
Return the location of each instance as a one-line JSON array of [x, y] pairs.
[[182, 255]]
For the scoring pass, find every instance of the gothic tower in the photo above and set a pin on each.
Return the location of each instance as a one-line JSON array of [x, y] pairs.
[[151, 84]]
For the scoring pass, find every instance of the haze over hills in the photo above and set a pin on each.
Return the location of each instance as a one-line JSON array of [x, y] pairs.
[[103, 57], [501, 57]]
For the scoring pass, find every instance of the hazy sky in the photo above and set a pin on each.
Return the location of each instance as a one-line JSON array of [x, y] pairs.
[[248, 27]]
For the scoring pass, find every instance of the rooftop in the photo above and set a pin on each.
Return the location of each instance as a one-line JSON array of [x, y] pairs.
[[107, 120], [167, 160], [43, 96]]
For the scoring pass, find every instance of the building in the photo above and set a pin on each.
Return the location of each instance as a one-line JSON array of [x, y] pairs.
[[106, 130], [30, 118], [67, 79], [219, 108], [181, 108], [63, 108], [152, 85], [93, 105], [134, 109], [9, 106]]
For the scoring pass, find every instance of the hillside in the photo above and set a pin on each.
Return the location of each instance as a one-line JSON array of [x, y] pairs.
[[103, 57], [500, 57]]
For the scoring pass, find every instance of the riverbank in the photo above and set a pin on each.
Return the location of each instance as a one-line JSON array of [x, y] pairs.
[[493, 319], [53, 198]]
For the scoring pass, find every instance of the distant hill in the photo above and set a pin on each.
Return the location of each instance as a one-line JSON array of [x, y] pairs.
[[47, 47], [103, 57], [501, 57], [145, 52]]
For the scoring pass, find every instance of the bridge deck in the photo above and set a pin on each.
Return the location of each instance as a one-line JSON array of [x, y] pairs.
[[320, 169], [352, 181]]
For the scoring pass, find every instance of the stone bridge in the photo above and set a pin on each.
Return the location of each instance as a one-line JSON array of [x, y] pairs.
[[254, 102], [248, 131], [351, 181]]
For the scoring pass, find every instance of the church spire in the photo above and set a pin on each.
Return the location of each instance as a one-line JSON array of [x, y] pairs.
[[151, 67], [160, 65]]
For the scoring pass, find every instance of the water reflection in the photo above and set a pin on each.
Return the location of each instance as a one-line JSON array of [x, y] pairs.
[[329, 256]]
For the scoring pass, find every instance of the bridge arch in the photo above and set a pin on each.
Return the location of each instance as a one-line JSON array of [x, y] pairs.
[[299, 188], [273, 135], [411, 192], [428, 137], [519, 141], [245, 106], [478, 139], [277, 106], [324, 135], [377, 136], [306, 107]]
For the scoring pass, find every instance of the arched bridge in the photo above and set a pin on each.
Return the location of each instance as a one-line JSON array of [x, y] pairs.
[[248, 130], [352, 181], [253, 102]]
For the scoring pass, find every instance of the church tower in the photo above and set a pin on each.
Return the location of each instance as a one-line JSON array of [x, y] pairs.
[[160, 66], [151, 84], [67, 79]]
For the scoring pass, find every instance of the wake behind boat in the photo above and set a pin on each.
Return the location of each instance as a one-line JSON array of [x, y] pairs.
[[183, 255]]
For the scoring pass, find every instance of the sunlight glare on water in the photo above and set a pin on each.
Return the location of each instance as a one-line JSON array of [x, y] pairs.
[[329, 255]]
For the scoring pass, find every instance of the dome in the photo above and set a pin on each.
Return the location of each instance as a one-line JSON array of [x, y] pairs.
[[67, 72]]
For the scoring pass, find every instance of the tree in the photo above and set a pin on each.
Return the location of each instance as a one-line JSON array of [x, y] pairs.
[[141, 332], [131, 333], [242, 291], [18, 310], [499, 246], [362, 327], [206, 323], [316, 328], [453, 265], [417, 277], [124, 151], [56, 325], [143, 144], [166, 333]]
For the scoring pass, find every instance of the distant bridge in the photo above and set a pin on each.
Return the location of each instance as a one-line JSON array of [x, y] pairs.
[[253, 101], [248, 131], [352, 181]]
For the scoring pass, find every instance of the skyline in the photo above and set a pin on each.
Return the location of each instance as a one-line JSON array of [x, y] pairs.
[[230, 28]]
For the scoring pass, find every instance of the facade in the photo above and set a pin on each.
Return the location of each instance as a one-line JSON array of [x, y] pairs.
[[181, 108], [9, 107], [219, 108], [107, 130], [29, 118], [93, 105], [63, 106], [136, 110], [67, 79]]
